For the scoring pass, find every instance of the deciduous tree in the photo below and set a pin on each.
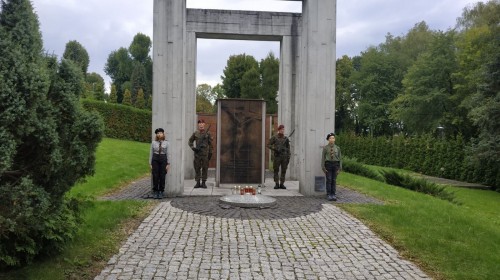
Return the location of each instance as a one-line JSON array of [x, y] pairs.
[[75, 52]]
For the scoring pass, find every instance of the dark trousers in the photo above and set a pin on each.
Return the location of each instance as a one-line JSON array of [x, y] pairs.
[[200, 163], [159, 164], [280, 162], [331, 176]]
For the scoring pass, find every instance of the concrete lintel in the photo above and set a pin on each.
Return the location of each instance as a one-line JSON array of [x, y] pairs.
[[243, 22]]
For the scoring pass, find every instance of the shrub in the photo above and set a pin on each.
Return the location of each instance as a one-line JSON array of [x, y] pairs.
[[417, 184], [352, 166]]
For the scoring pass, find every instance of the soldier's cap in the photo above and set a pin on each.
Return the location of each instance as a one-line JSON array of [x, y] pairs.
[[159, 130], [201, 121], [281, 127], [329, 135]]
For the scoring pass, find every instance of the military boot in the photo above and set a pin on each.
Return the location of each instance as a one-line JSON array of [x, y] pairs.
[[277, 186], [203, 185], [197, 185], [282, 186]]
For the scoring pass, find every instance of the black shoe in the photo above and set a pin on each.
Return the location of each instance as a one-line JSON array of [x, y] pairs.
[[282, 187], [277, 186], [203, 185], [160, 195], [332, 198], [155, 194], [197, 186]]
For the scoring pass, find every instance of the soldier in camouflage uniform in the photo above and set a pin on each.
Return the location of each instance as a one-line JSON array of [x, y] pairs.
[[202, 153], [280, 145]]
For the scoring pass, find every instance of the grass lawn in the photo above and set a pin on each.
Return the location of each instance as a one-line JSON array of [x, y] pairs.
[[118, 162], [449, 241]]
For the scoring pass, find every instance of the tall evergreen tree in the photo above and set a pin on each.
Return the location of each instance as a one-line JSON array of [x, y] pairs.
[[127, 98], [140, 102], [112, 94], [47, 142], [75, 52]]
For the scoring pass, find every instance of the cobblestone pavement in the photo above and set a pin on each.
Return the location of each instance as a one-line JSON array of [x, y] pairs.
[[175, 244], [196, 237]]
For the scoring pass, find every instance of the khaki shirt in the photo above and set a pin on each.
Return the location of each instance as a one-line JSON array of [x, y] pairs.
[[331, 152]]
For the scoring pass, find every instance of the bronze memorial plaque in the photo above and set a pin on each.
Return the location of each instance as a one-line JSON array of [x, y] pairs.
[[241, 140]]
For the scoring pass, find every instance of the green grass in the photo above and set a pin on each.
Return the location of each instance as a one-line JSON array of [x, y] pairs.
[[448, 241], [118, 162], [105, 223], [104, 228]]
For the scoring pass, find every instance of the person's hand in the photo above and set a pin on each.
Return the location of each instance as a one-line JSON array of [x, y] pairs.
[[167, 168], [325, 171], [195, 149], [151, 166]]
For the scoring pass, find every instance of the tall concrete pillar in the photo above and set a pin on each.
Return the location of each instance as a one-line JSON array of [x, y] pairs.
[[289, 58], [169, 25], [315, 102], [190, 97]]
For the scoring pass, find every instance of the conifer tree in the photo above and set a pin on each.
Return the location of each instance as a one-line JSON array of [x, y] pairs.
[[47, 141], [140, 102], [127, 98], [113, 96]]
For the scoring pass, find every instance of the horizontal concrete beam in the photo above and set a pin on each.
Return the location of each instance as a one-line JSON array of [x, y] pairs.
[[266, 26]]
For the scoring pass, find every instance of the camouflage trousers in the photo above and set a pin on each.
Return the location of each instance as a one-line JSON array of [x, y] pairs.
[[280, 163], [200, 167]]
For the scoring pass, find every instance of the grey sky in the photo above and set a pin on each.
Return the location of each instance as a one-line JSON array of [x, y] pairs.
[[103, 26]]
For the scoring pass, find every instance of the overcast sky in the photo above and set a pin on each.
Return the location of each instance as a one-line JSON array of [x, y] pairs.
[[103, 26]]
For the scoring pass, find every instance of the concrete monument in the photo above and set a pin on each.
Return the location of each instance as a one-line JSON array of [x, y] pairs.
[[307, 77]]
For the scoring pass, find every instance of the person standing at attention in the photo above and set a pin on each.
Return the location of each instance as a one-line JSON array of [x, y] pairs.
[[280, 145], [331, 164], [158, 162], [202, 153]]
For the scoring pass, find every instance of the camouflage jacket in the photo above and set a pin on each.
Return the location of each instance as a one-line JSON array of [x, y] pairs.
[[203, 142], [280, 146]]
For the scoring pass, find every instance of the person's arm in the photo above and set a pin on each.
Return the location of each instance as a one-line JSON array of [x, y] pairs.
[[271, 143], [210, 143], [190, 142], [340, 159], [167, 147], [151, 155], [323, 153]]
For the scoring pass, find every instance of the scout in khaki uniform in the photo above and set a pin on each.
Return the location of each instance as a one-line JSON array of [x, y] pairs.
[[331, 164]]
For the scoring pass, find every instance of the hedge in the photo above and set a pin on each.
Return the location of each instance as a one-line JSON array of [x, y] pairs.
[[446, 158], [121, 121]]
